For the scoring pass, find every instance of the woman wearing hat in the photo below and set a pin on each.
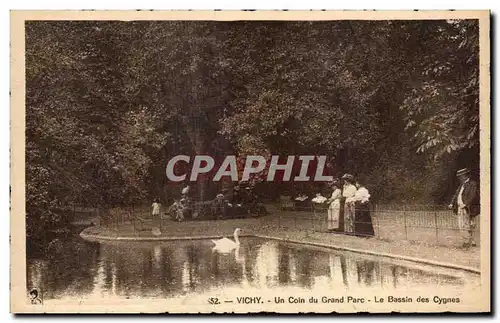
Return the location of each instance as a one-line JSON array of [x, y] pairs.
[[334, 208], [348, 192], [363, 226]]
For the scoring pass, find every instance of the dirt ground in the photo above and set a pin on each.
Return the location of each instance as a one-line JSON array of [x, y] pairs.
[[434, 229]]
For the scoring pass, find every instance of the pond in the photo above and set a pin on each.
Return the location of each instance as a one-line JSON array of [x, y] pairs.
[[171, 269]]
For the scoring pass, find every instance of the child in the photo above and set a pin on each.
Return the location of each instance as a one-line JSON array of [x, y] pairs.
[[156, 208]]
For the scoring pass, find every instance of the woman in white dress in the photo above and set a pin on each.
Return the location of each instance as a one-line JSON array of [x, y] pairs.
[[334, 208]]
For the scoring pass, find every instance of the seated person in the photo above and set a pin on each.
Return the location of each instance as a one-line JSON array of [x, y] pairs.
[[301, 198], [252, 203], [237, 202], [319, 199], [221, 205], [302, 202], [181, 209], [176, 209], [187, 206], [218, 205]]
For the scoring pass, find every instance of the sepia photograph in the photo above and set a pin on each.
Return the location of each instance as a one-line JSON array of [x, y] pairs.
[[250, 161]]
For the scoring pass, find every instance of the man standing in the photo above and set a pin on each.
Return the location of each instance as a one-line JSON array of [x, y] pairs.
[[465, 203]]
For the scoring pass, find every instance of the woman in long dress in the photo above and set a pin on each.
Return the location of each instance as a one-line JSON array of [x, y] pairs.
[[363, 226], [348, 192], [334, 208]]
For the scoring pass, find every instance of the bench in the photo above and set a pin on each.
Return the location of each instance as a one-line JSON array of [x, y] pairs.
[[320, 208], [286, 203]]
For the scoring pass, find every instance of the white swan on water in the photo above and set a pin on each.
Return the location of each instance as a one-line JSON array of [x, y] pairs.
[[226, 245]]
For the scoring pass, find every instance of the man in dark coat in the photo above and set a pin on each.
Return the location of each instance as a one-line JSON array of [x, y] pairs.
[[465, 203]]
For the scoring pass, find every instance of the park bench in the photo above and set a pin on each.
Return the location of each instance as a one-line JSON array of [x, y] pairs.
[[203, 208], [286, 203], [320, 208]]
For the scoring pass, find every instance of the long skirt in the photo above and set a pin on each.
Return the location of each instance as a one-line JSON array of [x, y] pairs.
[[363, 220], [341, 215], [333, 215], [349, 218]]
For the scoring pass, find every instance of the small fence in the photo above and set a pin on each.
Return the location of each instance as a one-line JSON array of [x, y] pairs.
[[141, 218], [433, 224], [82, 215]]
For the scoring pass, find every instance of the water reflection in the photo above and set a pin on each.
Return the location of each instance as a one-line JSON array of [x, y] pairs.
[[171, 269]]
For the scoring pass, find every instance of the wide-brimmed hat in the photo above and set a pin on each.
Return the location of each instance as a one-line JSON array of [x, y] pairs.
[[348, 177], [333, 183], [463, 171]]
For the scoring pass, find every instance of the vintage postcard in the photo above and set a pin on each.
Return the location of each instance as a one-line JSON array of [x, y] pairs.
[[250, 161]]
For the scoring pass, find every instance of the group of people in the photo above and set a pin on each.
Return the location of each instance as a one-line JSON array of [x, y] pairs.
[[349, 208], [239, 203], [182, 207], [179, 207]]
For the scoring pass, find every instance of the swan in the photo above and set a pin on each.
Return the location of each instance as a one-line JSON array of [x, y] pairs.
[[226, 245], [238, 257]]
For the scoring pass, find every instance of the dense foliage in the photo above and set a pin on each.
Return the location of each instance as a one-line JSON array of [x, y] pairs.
[[109, 102]]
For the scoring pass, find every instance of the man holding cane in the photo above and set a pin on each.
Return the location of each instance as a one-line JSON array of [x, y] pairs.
[[465, 203]]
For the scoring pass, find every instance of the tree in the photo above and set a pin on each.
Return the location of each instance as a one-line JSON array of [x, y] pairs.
[[442, 109], [109, 103], [83, 138]]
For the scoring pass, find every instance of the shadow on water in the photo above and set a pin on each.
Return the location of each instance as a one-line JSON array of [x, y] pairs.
[[76, 268]]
